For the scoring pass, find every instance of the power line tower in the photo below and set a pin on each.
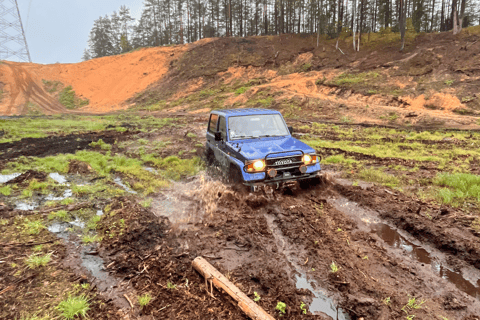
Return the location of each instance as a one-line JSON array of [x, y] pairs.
[[13, 42]]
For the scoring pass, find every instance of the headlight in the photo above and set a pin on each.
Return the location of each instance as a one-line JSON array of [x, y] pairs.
[[309, 159], [256, 165]]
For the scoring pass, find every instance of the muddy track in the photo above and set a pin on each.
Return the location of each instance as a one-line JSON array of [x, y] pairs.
[[281, 244], [42, 147], [445, 231]]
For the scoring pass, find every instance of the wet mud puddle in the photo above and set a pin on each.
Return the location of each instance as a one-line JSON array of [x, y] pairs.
[[321, 303], [80, 257], [466, 280]]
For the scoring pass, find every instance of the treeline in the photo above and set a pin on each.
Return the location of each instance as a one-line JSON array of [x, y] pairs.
[[165, 22]]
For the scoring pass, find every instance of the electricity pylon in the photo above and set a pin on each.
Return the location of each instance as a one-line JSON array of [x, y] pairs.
[[13, 42]]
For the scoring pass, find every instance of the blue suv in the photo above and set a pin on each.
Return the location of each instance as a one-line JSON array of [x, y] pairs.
[[255, 147]]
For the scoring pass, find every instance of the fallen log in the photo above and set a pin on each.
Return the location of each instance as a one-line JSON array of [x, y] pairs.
[[212, 275]]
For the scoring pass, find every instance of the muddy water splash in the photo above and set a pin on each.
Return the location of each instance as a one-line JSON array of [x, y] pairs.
[[466, 280], [187, 202]]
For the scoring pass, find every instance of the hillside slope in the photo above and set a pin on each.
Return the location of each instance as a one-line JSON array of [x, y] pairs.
[[106, 82], [434, 82]]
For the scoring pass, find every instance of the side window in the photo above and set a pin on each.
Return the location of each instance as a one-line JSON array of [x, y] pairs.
[[222, 127], [212, 126]]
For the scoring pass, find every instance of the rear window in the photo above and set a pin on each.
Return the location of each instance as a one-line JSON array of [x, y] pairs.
[[212, 126]]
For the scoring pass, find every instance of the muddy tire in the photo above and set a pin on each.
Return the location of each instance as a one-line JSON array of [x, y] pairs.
[[236, 179], [209, 157]]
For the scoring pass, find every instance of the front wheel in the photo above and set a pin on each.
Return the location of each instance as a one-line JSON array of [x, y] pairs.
[[235, 177]]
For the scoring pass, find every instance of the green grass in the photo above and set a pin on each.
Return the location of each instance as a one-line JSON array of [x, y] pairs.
[[59, 215], [6, 190], [144, 300], [33, 227], [241, 90], [378, 176], [40, 127], [101, 144], [74, 306], [458, 186], [69, 99], [34, 260], [354, 78], [86, 239]]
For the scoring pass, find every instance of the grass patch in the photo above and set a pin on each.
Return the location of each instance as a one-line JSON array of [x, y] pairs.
[[34, 260], [354, 78], [6, 190], [74, 306], [339, 158], [378, 176], [144, 300], [69, 99], [101, 144], [241, 90], [59, 215], [459, 186], [33, 227], [86, 239]]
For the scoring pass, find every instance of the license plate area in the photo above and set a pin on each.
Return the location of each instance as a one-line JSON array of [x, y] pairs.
[[287, 174]]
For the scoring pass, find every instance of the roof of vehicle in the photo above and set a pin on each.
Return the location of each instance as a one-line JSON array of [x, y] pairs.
[[243, 112]]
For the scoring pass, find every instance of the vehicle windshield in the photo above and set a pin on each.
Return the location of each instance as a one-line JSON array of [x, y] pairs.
[[255, 126]]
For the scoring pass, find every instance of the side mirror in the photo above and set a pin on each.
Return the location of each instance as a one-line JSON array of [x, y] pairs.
[[290, 129], [218, 136]]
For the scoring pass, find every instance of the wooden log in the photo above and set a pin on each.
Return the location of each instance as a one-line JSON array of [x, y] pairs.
[[212, 275]]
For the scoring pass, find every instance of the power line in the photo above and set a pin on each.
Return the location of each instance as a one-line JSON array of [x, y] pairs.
[[13, 42]]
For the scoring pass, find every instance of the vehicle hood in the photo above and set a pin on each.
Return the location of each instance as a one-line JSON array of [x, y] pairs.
[[258, 148]]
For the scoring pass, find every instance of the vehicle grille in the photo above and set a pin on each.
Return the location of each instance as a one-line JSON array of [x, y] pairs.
[[285, 164]]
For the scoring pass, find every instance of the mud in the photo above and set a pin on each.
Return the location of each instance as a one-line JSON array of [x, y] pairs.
[[42, 147]]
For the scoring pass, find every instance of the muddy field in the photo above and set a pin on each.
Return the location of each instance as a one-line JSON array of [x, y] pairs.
[[120, 215]]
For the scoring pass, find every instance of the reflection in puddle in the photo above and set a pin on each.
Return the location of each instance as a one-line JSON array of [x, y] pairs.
[[22, 206], [66, 194], [121, 184], [94, 264], [320, 303], [60, 229], [394, 239], [58, 177], [4, 178]]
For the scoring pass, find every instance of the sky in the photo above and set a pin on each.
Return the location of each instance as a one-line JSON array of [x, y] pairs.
[[58, 30]]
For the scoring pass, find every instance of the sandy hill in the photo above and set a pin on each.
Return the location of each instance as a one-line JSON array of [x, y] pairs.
[[434, 81]]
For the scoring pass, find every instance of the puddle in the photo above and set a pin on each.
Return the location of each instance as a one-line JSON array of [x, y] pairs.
[[470, 286], [60, 229], [4, 178], [320, 303], [126, 188], [94, 265], [66, 194], [58, 177], [78, 223], [467, 281], [22, 206], [100, 213], [150, 169]]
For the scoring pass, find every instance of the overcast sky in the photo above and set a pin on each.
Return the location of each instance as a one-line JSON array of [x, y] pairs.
[[57, 30]]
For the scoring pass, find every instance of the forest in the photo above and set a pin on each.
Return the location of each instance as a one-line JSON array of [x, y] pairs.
[[167, 22]]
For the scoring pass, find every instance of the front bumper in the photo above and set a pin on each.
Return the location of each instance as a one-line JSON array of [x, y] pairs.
[[261, 178]]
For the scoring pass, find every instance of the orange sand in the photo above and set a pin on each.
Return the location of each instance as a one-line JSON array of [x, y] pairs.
[[107, 82]]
